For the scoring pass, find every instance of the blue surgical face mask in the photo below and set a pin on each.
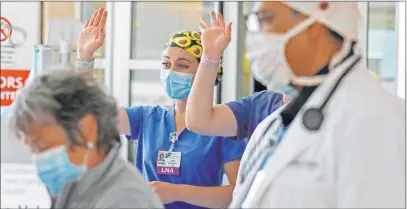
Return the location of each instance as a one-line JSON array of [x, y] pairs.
[[55, 169], [176, 84], [291, 91]]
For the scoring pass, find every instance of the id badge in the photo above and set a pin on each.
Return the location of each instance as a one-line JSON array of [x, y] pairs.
[[168, 163]]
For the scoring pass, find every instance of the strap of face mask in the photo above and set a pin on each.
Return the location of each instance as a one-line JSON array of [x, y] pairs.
[[336, 59], [308, 81], [89, 145], [341, 54], [300, 27], [304, 81]]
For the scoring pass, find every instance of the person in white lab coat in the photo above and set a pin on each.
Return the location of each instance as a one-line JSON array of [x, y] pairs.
[[341, 142]]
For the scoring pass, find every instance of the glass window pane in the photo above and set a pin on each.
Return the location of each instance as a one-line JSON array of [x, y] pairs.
[[89, 7], [153, 22], [248, 83], [382, 43], [87, 10], [247, 7]]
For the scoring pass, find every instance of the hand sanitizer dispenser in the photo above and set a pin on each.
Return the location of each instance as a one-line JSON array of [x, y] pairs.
[[61, 39], [65, 51]]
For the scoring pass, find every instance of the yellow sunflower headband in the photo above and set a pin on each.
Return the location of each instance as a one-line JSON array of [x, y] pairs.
[[190, 41]]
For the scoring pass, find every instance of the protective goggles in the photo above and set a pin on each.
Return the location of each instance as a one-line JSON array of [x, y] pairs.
[[255, 20]]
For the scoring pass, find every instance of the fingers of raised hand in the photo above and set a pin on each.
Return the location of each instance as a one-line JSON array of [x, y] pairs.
[[214, 21], [201, 27], [92, 19], [221, 21], [86, 23], [217, 20], [228, 31], [203, 23], [103, 18], [98, 17]]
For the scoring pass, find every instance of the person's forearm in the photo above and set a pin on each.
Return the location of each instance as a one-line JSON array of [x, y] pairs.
[[200, 101], [123, 124], [211, 197], [85, 58]]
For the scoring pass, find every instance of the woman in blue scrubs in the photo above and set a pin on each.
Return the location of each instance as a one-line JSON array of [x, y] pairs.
[[184, 168], [236, 118]]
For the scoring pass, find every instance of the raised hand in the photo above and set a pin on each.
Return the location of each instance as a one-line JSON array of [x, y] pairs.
[[215, 37], [92, 36]]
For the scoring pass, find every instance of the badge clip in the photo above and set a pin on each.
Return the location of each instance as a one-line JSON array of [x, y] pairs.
[[173, 139]]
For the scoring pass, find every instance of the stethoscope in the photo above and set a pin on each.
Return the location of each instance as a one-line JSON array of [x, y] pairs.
[[274, 127], [312, 120], [313, 117]]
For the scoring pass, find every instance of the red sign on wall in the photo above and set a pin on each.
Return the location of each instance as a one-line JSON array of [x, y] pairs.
[[6, 29], [11, 81]]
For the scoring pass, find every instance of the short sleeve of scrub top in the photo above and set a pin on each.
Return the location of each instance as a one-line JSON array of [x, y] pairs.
[[135, 115], [251, 110], [202, 156], [231, 150]]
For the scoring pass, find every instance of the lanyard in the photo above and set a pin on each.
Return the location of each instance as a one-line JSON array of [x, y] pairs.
[[264, 156], [173, 139], [266, 143]]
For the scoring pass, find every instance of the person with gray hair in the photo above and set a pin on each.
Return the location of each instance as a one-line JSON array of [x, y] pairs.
[[69, 123]]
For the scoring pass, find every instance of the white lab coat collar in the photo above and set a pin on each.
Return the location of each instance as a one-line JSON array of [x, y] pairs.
[[241, 189], [289, 149]]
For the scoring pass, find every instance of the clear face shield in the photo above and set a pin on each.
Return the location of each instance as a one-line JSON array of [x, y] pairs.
[[252, 23], [256, 20]]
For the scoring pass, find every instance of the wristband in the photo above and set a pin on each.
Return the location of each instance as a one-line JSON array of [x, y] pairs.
[[85, 64], [212, 63]]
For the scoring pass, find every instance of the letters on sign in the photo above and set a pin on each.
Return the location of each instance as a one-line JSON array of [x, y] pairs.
[[10, 82]]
